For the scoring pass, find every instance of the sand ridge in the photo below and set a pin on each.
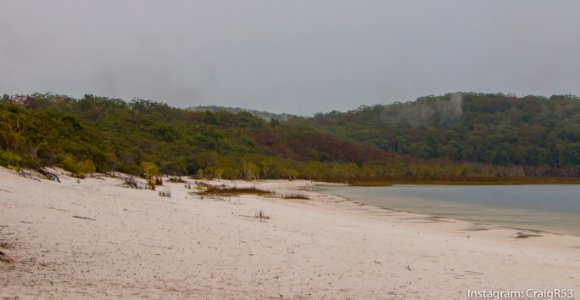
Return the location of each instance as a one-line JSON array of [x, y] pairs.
[[94, 238]]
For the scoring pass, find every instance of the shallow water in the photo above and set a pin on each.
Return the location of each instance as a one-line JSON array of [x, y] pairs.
[[553, 208]]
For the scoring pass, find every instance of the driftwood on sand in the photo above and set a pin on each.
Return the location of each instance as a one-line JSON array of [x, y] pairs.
[[50, 175]]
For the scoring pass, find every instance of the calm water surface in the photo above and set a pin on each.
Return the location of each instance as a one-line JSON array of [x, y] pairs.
[[554, 208]]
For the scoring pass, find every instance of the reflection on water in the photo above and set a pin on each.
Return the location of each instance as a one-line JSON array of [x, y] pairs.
[[554, 208]]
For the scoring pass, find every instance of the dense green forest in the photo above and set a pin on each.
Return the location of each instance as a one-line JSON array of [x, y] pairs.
[[455, 137], [542, 135]]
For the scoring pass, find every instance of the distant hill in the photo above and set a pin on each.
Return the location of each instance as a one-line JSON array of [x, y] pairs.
[[487, 128]]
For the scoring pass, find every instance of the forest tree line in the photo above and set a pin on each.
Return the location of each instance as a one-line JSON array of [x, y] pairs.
[[455, 137]]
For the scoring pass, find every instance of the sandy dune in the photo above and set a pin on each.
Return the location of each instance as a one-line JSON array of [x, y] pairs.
[[94, 238]]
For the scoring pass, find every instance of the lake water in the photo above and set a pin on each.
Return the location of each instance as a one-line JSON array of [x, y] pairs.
[[554, 208]]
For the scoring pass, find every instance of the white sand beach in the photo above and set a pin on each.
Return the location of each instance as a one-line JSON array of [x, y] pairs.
[[94, 238]]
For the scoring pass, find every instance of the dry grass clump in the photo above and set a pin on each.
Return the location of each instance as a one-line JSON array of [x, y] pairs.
[[176, 180], [154, 182], [165, 193], [262, 216], [3, 256], [295, 197], [211, 190], [524, 235]]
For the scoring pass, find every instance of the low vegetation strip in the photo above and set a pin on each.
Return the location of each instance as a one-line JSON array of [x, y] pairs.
[[210, 190], [296, 197]]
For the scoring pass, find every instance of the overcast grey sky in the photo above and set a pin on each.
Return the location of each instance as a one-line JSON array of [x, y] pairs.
[[288, 56]]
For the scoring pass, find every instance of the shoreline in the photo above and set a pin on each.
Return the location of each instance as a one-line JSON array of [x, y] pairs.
[[467, 181], [426, 218], [451, 219], [94, 238], [491, 211]]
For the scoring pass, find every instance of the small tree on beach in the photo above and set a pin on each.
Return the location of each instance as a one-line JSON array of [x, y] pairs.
[[150, 169], [151, 172]]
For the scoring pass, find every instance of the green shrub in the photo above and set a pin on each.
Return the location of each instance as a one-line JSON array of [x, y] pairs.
[[79, 168], [8, 158], [85, 167], [149, 168]]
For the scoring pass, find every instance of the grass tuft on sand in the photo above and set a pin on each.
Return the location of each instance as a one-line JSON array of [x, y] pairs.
[[295, 197], [211, 190]]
